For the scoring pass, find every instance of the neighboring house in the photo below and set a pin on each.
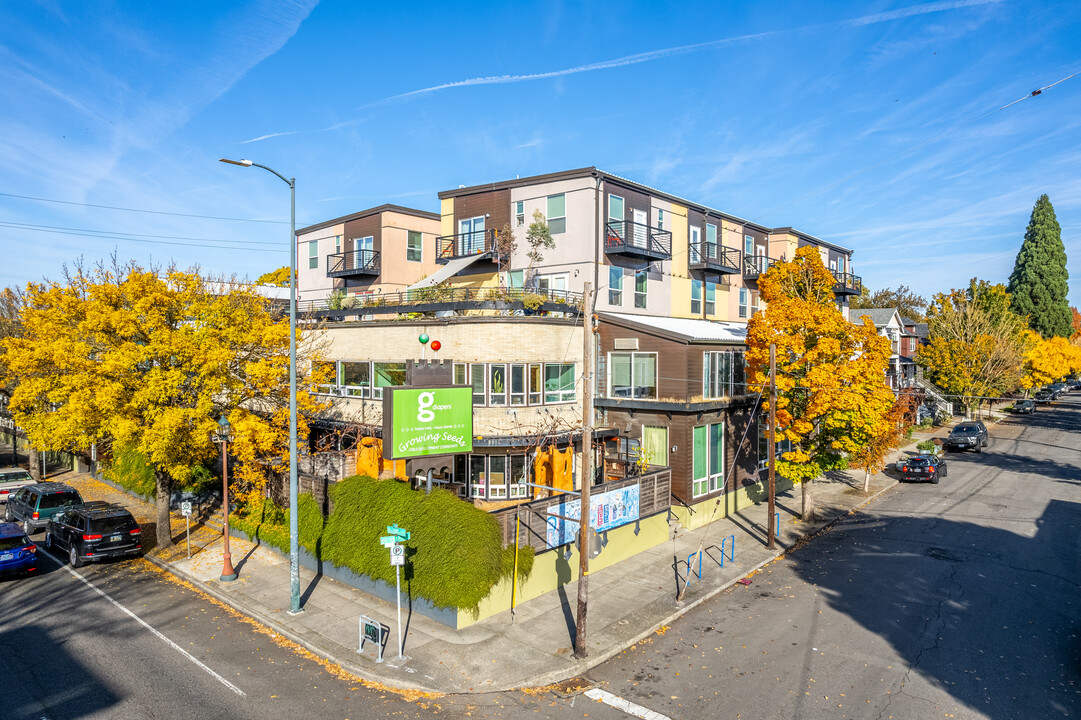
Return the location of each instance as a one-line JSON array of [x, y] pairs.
[[902, 368], [380, 250]]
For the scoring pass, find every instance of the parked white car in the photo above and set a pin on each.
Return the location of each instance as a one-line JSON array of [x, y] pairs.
[[11, 479]]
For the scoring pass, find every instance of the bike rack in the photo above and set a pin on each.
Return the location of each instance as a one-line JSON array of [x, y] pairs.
[[731, 549]]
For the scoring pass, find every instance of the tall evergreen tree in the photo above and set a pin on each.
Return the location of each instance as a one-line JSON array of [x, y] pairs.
[[1038, 283]]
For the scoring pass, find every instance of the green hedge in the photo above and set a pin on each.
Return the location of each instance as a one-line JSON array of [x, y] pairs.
[[129, 469], [453, 560]]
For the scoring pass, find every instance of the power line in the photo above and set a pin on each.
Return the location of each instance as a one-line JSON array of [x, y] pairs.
[[140, 210], [134, 237]]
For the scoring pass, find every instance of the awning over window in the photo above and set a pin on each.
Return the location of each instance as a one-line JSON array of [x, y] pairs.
[[449, 270]]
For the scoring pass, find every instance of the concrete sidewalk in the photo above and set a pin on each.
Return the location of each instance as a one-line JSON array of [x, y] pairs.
[[627, 601]]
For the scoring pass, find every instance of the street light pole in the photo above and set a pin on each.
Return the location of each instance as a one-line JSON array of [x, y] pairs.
[[228, 574], [294, 532]]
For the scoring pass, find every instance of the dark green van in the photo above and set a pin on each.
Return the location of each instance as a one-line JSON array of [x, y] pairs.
[[35, 504]]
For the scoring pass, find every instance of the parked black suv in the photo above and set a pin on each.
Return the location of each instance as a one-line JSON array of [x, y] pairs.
[[94, 531], [33, 505], [969, 435]]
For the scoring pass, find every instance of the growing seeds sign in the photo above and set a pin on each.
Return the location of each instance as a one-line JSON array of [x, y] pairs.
[[427, 421]]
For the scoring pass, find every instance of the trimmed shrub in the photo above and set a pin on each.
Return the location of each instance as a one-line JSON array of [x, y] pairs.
[[926, 446], [130, 470], [453, 560]]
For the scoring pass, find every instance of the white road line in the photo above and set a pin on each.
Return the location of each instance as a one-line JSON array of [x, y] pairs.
[[142, 622], [625, 705]]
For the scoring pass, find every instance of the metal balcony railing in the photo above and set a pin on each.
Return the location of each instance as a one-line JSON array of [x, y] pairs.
[[755, 265], [847, 283], [623, 237], [353, 262], [478, 242], [435, 298], [713, 256]]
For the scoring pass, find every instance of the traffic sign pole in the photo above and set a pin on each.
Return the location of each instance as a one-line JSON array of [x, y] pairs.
[[398, 588]]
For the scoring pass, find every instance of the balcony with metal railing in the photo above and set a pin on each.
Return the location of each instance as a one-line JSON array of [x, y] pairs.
[[713, 256], [452, 247], [353, 263], [847, 283], [637, 240], [755, 266]]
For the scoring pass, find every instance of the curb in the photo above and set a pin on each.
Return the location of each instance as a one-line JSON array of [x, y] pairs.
[[286, 633], [541, 680]]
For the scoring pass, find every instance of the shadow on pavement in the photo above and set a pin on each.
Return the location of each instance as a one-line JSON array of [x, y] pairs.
[[988, 616]]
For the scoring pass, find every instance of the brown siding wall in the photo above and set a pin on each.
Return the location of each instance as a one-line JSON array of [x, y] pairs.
[[632, 200], [371, 225], [495, 203]]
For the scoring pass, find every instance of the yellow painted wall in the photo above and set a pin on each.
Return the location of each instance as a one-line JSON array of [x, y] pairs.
[[709, 510], [446, 216], [479, 280], [681, 283], [551, 571]]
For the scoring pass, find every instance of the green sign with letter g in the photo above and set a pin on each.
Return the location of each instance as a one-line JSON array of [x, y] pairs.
[[430, 421]]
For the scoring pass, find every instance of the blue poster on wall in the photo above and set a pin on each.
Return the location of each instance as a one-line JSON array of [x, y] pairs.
[[608, 510]]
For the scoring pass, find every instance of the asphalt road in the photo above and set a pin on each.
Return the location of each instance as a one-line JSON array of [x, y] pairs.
[[956, 600]]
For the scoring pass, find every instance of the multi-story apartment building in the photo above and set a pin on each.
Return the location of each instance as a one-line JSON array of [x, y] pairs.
[[676, 282], [382, 249]]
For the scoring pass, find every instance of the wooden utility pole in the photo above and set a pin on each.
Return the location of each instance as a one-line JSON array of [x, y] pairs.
[[587, 472], [772, 532]]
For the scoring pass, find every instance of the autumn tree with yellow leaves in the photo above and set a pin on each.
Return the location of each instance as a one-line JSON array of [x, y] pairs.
[[1049, 360], [149, 361], [976, 344], [832, 396]]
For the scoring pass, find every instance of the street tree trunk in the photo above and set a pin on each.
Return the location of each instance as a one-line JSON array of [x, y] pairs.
[[807, 513], [34, 458], [164, 490]]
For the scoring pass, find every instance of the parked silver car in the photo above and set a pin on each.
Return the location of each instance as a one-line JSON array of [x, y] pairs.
[[11, 479]]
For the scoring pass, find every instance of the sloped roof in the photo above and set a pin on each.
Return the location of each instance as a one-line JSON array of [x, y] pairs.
[[880, 317], [689, 329]]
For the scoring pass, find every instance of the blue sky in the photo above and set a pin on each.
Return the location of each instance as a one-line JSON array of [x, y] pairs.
[[878, 125]]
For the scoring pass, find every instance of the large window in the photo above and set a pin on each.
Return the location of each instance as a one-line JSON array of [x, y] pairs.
[[356, 378], [615, 285], [387, 374], [557, 213], [723, 374], [711, 297], [498, 477], [708, 462], [313, 254], [696, 296], [414, 246], [640, 287], [633, 375], [559, 382], [497, 384]]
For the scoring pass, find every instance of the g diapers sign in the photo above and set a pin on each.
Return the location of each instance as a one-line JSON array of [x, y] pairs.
[[427, 421]]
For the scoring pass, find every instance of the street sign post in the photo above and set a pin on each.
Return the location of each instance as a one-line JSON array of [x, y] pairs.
[[394, 536], [185, 510]]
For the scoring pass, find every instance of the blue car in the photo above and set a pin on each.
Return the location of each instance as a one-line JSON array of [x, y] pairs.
[[17, 553]]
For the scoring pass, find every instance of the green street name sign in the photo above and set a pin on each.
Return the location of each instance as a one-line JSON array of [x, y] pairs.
[[427, 421]]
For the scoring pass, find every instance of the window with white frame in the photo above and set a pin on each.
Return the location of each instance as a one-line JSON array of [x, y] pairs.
[[355, 378], [640, 287], [711, 297], [557, 213], [724, 373], [660, 219], [744, 303], [476, 379], [498, 477], [414, 246], [552, 284], [632, 375], [519, 213], [497, 384], [748, 245], [559, 382], [708, 459], [386, 374], [313, 254], [536, 384], [696, 296], [615, 285], [517, 383], [615, 208], [711, 235], [330, 372], [337, 244]]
